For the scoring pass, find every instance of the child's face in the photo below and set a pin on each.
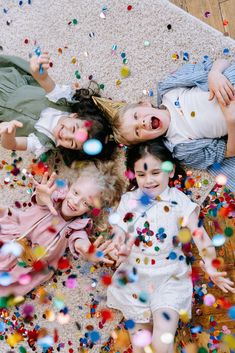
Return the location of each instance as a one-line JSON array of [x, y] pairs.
[[66, 130], [144, 123], [150, 177], [82, 196]]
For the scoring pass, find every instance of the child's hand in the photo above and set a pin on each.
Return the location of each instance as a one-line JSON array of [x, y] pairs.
[[124, 249], [9, 127], [99, 247], [44, 190], [220, 87], [35, 63], [225, 284]]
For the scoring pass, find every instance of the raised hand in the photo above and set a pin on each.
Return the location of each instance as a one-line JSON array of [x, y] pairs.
[[220, 87], [99, 246], [124, 249], [218, 278], [44, 190], [36, 61], [9, 127]]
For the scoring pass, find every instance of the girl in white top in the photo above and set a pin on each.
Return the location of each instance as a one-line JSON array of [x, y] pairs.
[[153, 285]]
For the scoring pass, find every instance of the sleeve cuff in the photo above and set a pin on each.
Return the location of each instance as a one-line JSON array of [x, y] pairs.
[[60, 91]]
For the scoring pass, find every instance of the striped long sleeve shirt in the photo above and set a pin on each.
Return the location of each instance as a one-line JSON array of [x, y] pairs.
[[206, 153]]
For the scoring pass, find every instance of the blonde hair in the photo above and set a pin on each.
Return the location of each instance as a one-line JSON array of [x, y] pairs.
[[117, 124], [111, 187]]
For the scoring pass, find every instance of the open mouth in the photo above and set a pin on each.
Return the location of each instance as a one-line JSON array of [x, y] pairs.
[[151, 187], [72, 208], [155, 123]]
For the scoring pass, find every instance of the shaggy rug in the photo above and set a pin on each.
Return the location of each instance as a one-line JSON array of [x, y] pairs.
[[90, 38]]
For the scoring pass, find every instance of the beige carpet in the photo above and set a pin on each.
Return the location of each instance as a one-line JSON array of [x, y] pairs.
[[86, 47]]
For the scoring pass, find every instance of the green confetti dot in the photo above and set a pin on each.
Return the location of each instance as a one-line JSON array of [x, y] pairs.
[[125, 61], [77, 74], [22, 350], [156, 248], [43, 157], [101, 86], [205, 182], [228, 232], [202, 350], [75, 21], [3, 302]]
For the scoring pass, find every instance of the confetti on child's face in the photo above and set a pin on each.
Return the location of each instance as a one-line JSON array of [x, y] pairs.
[[82, 196], [152, 181], [143, 123], [68, 132]]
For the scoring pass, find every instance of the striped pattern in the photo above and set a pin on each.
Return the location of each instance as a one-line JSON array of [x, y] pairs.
[[203, 153]]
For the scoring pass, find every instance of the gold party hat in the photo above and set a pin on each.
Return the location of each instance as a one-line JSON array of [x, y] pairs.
[[110, 108]]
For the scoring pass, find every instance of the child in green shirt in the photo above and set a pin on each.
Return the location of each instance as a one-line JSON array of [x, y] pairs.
[[37, 115]]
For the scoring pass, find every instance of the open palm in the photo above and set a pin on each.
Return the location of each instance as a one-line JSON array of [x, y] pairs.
[[44, 191]]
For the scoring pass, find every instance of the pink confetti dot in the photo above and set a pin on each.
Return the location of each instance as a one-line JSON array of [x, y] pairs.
[[81, 135]]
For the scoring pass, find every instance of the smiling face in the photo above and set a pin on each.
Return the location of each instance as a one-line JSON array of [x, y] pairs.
[[143, 123], [82, 196], [150, 177], [66, 131]]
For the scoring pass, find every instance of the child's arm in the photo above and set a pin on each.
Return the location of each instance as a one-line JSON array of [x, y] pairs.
[[44, 80], [229, 114], [8, 138], [207, 252], [219, 85], [94, 252]]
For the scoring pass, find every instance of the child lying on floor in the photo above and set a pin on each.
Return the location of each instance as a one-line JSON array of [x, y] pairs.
[[197, 126], [37, 115], [59, 219]]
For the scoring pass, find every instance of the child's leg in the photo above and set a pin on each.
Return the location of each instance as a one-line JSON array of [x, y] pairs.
[[137, 328], [165, 320]]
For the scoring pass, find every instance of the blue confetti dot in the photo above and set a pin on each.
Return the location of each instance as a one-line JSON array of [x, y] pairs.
[[61, 183], [145, 200], [92, 147], [231, 312], [94, 336], [99, 253], [2, 326], [129, 324], [172, 255]]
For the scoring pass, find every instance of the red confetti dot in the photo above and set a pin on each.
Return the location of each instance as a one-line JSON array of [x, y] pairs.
[[50, 64], [91, 249], [225, 22], [96, 212], [26, 41], [51, 229], [106, 280], [129, 8], [106, 314], [63, 263], [216, 263], [38, 265]]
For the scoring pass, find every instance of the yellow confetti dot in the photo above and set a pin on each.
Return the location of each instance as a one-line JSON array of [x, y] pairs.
[[184, 315], [193, 114], [73, 60], [9, 168], [125, 71], [92, 269], [14, 339], [230, 340], [39, 251], [175, 56], [184, 235], [118, 82]]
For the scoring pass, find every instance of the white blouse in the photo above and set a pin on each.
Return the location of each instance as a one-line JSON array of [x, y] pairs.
[[48, 120]]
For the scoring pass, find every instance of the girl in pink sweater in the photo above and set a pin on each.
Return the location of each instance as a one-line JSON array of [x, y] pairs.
[[33, 241]]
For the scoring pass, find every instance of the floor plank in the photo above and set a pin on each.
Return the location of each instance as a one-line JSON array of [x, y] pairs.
[[212, 12], [228, 13]]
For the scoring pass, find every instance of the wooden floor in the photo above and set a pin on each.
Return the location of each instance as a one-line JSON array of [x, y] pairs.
[[219, 14]]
